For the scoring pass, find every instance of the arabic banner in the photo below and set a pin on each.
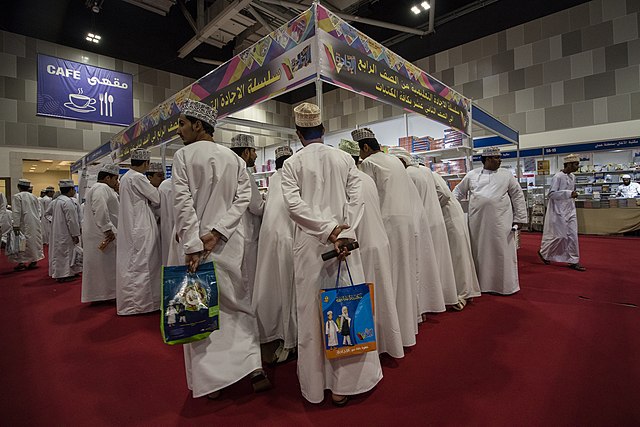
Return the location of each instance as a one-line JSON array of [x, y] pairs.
[[350, 59], [277, 63], [71, 90]]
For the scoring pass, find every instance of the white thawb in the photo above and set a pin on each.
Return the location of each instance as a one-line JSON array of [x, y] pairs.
[[64, 228], [423, 179], [375, 253], [138, 253], [274, 298], [212, 191], [5, 216], [166, 218], [322, 189], [396, 192], [49, 213], [45, 201], [251, 221], [560, 233], [100, 216], [25, 212], [628, 191], [496, 202], [459, 242]]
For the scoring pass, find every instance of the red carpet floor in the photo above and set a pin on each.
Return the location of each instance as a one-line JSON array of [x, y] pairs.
[[563, 351]]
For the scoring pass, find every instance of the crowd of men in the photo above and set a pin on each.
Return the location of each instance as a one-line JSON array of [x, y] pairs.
[[415, 244]]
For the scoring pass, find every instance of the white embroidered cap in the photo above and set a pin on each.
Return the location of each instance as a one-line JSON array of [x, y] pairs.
[[50, 188], [110, 168], [140, 154], [402, 154], [350, 147], [307, 115], [199, 110], [155, 168], [490, 151], [24, 182], [626, 176], [242, 141], [66, 183], [362, 133], [571, 158], [283, 151]]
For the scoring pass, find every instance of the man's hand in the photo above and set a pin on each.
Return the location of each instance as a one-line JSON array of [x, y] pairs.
[[574, 194], [76, 240], [192, 261], [339, 244], [109, 236], [210, 241]]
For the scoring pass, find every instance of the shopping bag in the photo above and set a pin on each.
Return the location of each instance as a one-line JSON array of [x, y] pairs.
[[348, 324], [16, 243], [190, 304], [76, 258]]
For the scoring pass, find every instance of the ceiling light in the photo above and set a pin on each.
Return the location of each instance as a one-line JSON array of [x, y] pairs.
[[46, 161], [93, 38], [425, 5], [415, 9]]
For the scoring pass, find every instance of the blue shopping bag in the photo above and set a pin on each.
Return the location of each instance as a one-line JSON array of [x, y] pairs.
[[190, 304], [348, 324]]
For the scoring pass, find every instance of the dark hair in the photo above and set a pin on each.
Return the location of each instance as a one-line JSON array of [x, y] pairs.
[[66, 190], [239, 150], [280, 161], [102, 175], [205, 126], [23, 187], [311, 133], [371, 142], [137, 163], [356, 159]]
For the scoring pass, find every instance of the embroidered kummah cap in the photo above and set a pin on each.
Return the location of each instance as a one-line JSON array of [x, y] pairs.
[[283, 151], [362, 133], [571, 158], [140, 154], [349, 147], [307, 115], [66, 183], [110, 168], [402, 154], [490, 151], [200, 111], [626, 176], [242, 141], [50, 188], [24, 182], [155, 167]]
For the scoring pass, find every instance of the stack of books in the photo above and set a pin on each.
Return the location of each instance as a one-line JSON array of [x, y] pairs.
[[453, 138], [457, 166]]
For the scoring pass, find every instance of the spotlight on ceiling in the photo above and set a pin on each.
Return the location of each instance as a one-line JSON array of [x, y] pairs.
[[415, 9], [93, 38], [426, 6], [94, 5]]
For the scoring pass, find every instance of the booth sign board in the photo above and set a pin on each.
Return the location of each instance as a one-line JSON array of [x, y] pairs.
[[543, 167], [71, 90]]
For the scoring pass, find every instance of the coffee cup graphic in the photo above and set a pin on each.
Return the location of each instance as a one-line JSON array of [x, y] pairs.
[[81, 101]]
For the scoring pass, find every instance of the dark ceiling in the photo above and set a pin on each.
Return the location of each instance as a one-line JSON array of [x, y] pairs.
[[137, 35]]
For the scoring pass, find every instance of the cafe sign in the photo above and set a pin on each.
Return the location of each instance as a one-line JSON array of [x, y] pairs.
[[76, 91]]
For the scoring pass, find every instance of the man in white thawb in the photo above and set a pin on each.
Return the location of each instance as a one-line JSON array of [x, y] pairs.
[[398, 208], [211, 190], [65, 234], [496, 205], [560, 233], [166, 218], [274, 298], [25, 211], [138, 251], [45, 201], [423, 180], [322, 191], [244, 146], [376, 261], [99, 237], [467, 285], [628, 189], [155, 174]]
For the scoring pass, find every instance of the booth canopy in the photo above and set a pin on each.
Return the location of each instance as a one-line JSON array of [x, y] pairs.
[[317, 44]]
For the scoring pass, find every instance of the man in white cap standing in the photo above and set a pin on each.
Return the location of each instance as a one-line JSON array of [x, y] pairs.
[[376, 261], [166, 218], [628, 189], [496, 206], [560, 233], [99, 236], [65, 235], [138, 250], [45, 201], [323, 193], [423, 180], [212, 191], [274, 298], [399, 208], [25, 210], [155, 174], [244, 146]]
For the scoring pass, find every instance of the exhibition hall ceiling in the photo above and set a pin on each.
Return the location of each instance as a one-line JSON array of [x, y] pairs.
[[160, 33]]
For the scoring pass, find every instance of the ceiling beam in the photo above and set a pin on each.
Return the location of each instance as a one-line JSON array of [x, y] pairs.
[[219, 18], [259, 18], [146, 7]]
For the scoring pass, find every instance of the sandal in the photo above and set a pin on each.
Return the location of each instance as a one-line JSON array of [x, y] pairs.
[[214, 395], [577, 267], [546, 261], [32, 266], [339, 402], [259, 381], [20, 267]]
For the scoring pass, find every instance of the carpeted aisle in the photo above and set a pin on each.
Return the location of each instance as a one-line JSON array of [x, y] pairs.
[[563, 351]]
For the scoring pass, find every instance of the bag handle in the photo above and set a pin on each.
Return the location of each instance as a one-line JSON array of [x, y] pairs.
[[349, 271]]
